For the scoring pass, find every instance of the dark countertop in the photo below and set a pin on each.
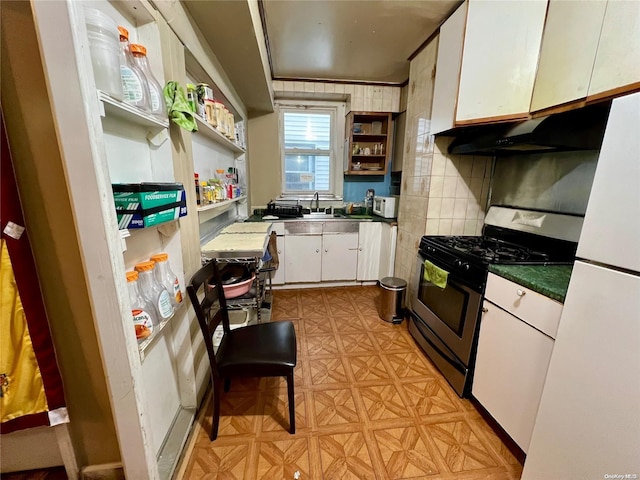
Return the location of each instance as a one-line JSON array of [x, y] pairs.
[[550, 280], [373, 218]]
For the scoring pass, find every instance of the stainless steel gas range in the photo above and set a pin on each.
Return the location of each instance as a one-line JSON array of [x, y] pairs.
[[445, 321]]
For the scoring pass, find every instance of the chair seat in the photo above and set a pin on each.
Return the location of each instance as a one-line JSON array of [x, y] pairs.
[[266, 349]]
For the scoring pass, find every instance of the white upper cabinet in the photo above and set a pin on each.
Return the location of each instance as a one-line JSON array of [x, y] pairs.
[[568, 53], [617, 64], [500, 56], [445, 90]]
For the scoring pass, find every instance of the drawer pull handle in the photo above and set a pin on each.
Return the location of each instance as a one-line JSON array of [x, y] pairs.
[[485, 309], [521, 293]]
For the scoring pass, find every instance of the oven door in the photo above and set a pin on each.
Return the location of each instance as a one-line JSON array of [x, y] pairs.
[[451, 313]]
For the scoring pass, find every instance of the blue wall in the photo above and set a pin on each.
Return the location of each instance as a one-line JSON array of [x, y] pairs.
[[355, 186]]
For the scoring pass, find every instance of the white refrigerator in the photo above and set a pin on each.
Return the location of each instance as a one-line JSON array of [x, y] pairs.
[[588, 422]]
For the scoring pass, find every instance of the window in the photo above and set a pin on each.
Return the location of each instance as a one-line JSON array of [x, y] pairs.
[[309, 151]]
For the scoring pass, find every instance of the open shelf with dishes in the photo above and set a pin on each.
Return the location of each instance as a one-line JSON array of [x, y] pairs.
[[368, 143]]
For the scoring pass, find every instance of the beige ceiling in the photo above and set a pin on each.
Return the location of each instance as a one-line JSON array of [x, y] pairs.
[[358, 40], [349, 40]]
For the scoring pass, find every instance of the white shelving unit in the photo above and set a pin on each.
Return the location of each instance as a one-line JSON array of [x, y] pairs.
[[116, 108], [207, 212], [207, 130]]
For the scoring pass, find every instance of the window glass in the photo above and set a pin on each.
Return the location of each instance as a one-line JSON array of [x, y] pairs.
[[307, 151]]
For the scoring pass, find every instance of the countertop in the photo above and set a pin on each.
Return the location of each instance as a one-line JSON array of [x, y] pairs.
[[373, 218], [551, 280]]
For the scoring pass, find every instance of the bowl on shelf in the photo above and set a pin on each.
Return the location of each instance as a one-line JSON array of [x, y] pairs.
[[237, 280], [233, 290]]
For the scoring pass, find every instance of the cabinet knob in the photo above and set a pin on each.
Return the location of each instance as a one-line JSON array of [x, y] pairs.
[[317, 250], [485, 309], [520, 292], [326, 251]]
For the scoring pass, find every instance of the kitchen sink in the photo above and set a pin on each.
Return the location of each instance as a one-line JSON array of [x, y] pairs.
[[320, 216]]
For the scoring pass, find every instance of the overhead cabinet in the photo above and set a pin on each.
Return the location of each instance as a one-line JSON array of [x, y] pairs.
[[590, 51], [368, 143], [500, 56]]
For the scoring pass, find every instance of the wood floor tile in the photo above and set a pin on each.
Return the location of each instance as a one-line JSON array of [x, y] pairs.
[[321, 345], [428, 397], [220, 461], [358, 342], [345, 457], [366, 368], [325, 371], [334, 407], [283, 459], [369, 405], [405, 454], [316, 325], [348, 324], [460, 447], [383, 402], [409, 364]]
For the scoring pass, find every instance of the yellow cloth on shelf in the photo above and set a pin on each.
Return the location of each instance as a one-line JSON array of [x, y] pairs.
[[435, 274]]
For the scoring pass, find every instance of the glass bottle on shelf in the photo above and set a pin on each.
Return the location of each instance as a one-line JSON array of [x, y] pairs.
[[143, 312], [156, 96], [134, 83], [153, 291], [167, 278]]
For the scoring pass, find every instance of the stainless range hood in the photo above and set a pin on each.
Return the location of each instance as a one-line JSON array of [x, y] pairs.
[[580, 129]]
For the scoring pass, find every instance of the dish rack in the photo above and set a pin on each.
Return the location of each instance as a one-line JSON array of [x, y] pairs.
[[284, 210]]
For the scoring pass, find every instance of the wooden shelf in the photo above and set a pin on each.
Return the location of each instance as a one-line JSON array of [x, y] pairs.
[[364, 140], [116, 108], [208, 131], [207, 212]]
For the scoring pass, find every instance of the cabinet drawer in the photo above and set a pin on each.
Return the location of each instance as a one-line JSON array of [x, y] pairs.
[[537, 310]]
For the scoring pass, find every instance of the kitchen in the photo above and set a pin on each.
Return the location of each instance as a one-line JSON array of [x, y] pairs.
[[428, 192]]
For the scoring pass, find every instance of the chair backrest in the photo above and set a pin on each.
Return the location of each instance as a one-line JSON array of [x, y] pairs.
[[211, 311]]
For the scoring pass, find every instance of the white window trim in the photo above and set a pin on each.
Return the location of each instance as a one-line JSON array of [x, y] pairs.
[[338, 110]]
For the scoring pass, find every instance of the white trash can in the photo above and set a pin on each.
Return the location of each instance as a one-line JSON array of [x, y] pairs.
[[391, 304]]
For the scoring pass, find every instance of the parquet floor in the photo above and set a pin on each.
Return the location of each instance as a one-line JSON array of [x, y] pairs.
[[369, 405]]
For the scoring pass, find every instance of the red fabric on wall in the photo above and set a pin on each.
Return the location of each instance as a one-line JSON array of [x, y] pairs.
[[30, 293]]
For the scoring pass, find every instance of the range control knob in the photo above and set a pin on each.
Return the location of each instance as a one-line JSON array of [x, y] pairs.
[[462, 265]]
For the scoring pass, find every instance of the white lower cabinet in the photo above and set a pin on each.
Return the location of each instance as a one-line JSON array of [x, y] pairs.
[[369, 241], [339, 256], [303, 261], [513, 358]]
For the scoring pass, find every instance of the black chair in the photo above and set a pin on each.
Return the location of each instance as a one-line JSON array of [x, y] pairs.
[[262, 350]]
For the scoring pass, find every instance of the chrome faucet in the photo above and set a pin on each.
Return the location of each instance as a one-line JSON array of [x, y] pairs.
[[316, 196]]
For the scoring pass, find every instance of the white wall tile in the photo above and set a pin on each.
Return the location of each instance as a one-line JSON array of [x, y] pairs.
[[460, 208], [298, 86], [465, 165], [318, 87], [339, 88], [439, 164], [477, 170], [457, 227], [476, 188], [446, 207], [330, 88], [451, 169], [473, 208], [432, 226], [437, 186], [449, 187], [444, 228], [277, 85], [433, 209], [469, 227], [462, 189]]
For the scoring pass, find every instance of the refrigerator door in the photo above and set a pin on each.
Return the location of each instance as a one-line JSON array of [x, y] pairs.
[[588, 423], [611, 230]]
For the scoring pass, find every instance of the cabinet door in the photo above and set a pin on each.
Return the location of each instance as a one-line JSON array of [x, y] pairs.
[[278, 275], [369, 241], [339, 256], [500, 55], [445, 89], [617, 66], [511, 367], [303, 258], [568, 52]]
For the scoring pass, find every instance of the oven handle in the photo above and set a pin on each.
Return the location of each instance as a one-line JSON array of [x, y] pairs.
[[446, 356]]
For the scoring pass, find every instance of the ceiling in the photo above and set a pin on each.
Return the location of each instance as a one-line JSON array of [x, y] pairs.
[[342, 40], [357, 40]]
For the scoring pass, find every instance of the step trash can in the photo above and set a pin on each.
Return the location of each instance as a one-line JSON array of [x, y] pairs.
[[391, 302]]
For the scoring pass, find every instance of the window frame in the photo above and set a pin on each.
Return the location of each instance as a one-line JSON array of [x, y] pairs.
[[335, 152]]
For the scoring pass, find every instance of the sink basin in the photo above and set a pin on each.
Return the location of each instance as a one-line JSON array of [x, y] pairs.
[[318, 216]]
